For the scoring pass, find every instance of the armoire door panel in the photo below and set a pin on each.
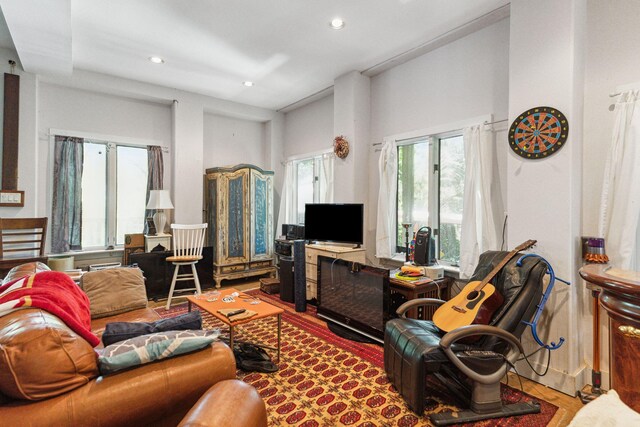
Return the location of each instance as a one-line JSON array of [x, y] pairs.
[[234, 232], [261, 215]]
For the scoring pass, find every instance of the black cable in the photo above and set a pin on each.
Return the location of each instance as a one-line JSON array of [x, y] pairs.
[[519, 380], [526, 358]]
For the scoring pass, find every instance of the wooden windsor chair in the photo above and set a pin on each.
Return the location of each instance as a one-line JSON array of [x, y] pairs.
[[188, 240]]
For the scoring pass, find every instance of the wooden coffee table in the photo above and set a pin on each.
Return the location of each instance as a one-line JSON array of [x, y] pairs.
[[263, 309]]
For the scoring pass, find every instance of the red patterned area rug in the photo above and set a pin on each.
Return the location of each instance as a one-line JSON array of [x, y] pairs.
[[325, 380]]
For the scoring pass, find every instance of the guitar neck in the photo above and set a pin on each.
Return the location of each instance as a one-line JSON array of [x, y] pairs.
[[502, 263]]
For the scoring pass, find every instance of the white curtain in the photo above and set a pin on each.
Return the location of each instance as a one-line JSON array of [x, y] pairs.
[[326, 178], [620, 204], [287, 212], [482, 204], [385, 230]]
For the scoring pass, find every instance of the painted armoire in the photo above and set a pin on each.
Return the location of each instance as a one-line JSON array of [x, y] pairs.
[[238, 206]]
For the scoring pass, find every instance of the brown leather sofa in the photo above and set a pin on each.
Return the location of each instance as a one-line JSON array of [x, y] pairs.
[[56, 380]]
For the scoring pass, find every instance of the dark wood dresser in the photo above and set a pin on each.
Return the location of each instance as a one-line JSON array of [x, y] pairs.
[[620, 297]]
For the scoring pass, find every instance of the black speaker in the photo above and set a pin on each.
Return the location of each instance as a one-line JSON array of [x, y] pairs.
[[285, 270], [425, 247], [299, 276]]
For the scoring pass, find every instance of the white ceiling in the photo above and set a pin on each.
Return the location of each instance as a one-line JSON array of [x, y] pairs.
[[285, 46]]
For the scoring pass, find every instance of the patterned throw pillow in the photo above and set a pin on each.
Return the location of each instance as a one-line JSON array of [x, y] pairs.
[[148, 348]]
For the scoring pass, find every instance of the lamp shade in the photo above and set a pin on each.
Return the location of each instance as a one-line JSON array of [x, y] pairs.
[[159, 199]]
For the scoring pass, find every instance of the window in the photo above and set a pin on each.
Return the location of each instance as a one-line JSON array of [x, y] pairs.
[[114, 191], [430, 191], [313, 182]]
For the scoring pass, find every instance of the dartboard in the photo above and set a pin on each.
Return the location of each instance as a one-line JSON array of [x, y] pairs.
[[538, 133]]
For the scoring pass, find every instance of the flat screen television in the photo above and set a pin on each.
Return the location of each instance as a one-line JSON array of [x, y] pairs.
[[353, 295], [334, 222]]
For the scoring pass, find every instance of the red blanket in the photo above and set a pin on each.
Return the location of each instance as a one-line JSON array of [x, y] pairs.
[[54, 292]]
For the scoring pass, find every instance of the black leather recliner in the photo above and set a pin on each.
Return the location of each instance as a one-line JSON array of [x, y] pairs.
[[415, 348]]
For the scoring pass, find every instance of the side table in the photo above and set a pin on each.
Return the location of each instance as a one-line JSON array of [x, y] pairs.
[[422, 288]]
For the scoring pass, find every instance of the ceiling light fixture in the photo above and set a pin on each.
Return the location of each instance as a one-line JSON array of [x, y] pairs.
[[156, 60], [248, 83], [337, 24]]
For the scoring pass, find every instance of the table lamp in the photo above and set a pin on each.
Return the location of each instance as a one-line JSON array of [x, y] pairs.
[[159, 200]]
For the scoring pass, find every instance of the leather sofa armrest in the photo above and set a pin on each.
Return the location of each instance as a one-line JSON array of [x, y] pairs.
[[228, 404], [158, 393]]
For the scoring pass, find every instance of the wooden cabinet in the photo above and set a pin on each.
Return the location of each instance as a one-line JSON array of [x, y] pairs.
[[620, 297], [238, 206], [311, 262]]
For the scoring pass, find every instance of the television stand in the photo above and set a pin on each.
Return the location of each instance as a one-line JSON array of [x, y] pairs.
[[312, 251], [349, 334], [336, 244]]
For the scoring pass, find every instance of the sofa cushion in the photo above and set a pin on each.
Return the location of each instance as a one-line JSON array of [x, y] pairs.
[[41, 357], [114, 291], [148, 348], [120, 331], [24, 270]]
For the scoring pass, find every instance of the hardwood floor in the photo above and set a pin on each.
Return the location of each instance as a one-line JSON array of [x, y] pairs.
[[567, 405]]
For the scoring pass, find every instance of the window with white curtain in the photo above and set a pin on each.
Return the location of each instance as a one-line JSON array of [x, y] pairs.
[[430, 191], [313, 182], [114, 188]]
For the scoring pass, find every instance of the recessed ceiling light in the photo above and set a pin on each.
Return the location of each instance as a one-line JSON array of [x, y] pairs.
[[247, 83], [156, 60], [337, 24]]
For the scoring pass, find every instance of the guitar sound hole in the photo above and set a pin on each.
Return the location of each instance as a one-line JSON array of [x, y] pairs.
[[472, 295]]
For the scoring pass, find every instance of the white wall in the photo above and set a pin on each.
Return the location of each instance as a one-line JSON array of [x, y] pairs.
[[544, 196], [229, 141], [613, 59], [464, 79], [309, 128]]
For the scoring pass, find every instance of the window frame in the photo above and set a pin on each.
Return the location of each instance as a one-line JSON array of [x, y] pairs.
[[111, 143], [317, 166], [433, 135]]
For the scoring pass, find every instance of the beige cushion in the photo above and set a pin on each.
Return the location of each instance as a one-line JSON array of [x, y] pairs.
[[114, 291], [40, 357]]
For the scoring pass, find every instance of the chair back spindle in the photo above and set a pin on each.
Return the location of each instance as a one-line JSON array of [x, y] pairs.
[[188, 239]]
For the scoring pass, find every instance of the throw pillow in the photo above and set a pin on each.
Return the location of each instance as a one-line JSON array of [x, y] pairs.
[[120, 331], [148, 348], [41, 357], [114, 291]]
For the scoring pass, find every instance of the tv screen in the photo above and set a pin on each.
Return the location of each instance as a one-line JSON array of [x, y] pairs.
[[354, 295], [334, 222]]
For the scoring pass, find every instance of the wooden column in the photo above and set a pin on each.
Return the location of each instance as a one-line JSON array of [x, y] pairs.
[[10, 132]]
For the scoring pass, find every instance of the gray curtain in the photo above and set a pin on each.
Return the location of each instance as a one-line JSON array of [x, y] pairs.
[[66, 222], [155, 168]]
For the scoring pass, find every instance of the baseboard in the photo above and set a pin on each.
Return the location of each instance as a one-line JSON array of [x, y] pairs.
[[557, 380]]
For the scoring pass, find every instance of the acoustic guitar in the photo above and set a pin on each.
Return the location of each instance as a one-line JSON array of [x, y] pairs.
[[477, 302]]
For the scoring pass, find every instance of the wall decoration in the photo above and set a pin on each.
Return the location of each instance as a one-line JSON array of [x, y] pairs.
[[340, 146], [538, 133]]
